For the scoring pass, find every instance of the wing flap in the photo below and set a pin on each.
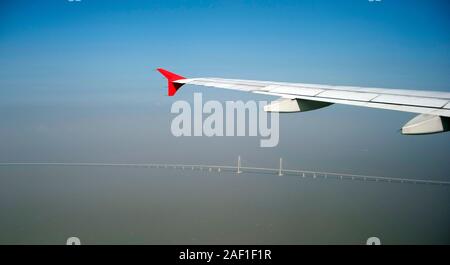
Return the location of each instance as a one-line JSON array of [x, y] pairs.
[[348, 95], [411, 101], [296, 90]]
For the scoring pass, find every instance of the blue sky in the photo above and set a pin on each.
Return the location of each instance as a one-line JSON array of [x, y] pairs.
[[78, 84], [63, 51]]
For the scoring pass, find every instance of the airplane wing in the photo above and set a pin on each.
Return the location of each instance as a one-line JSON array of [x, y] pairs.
[[433, 107]]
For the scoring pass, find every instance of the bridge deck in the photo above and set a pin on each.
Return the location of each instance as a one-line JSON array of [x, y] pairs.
[[243, 169]]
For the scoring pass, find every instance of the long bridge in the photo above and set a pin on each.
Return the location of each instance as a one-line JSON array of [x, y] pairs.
[[239, 169]]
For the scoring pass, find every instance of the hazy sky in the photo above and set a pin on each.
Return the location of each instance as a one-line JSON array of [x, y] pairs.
[[78, 84], [66, 66]]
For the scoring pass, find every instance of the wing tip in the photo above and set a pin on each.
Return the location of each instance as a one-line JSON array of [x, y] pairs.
[[172, 87]]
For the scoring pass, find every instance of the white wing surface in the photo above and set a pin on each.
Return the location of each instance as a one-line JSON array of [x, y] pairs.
[[433, 107]]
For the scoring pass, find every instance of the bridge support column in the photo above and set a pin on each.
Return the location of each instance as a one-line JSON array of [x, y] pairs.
[[280, 170], [239, 165]]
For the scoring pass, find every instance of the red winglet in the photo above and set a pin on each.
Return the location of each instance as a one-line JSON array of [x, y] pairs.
[[171, 77]]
